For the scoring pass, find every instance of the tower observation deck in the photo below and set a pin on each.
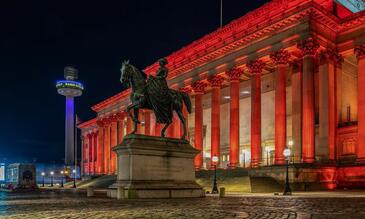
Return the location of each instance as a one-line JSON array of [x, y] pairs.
[[70, 88]]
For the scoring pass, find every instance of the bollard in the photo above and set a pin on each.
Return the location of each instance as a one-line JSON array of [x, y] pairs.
[[222, 192], [90, 191], [120, 192]]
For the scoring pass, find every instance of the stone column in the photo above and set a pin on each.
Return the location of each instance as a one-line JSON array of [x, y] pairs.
[[198, 88], [120, 126], [281, 59], [147, 122], [90, 146], [113, 143], [83, 153], [215, 83], [329, 60], [296, 86], [309, 48], [360, 150], [107, 145], [187, 90], [100, 149], [255, 68], [234, 117], [129, 125], [95, 149]]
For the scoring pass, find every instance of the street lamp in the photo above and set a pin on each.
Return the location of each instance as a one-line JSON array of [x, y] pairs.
[[51, 178], [287, 190], [43, 174], [74, 172], [62, 178], [215, 160]]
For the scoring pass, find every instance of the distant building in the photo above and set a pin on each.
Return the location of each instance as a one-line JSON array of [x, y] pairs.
[[289, 71], [21, 176]]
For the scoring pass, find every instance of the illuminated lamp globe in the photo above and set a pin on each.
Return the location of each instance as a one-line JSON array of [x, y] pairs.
[[215, 159], [52, 173], [286, 152], [43, 173]]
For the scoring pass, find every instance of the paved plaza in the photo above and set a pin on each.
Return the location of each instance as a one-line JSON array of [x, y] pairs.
[[54, 205]]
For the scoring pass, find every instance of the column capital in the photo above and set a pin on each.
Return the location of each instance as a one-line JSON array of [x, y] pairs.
[[256, 66], [280, 57], [360, 51], [330, 54], [185, 89], [89, 135], [100, 123], [199, 86], [234, 73], [106, 121], [120, 116], [215, 80], [308, 46], [113, 118]]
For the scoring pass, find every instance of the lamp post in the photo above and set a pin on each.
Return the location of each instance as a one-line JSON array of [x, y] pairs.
[[43, 174], [215, 187], [62, 178], [287, 190], [51, 178], [74, 172]]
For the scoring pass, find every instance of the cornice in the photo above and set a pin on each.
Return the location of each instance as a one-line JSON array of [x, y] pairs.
[[264, 21], [87, 124], [111, 100]]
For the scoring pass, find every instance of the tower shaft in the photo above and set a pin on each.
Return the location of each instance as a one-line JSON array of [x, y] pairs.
[[70, 132]]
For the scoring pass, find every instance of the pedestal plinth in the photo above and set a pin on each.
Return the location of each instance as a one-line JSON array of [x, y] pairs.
[[155, 167]]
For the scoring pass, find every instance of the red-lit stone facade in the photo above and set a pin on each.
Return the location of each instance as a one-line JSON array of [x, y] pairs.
[[288, 71]]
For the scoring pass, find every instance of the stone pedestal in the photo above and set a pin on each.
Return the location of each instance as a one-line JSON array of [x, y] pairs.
[[155, 167]]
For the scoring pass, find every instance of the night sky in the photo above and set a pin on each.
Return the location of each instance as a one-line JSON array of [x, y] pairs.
[[39, 38]]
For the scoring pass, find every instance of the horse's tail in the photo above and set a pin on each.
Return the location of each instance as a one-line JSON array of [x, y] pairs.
[[187, 101]]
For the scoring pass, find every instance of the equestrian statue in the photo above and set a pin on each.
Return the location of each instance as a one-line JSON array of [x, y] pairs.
[[153, 93]]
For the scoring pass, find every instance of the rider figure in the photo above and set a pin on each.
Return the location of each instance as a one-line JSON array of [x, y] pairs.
[[162, 72]]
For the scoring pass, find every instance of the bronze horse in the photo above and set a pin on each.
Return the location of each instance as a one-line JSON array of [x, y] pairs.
[[144, 96]]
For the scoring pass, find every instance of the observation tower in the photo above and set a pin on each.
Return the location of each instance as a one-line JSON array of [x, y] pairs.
[[70, 88]]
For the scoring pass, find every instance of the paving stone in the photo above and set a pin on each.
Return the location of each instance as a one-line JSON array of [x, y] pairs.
[[55, 205]]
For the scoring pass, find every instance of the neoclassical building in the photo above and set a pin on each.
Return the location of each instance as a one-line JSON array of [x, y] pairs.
[[288, 74]]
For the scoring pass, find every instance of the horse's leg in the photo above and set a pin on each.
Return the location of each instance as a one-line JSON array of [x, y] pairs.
[[128, 110], [164, 129], [136, 113], [182, 119]]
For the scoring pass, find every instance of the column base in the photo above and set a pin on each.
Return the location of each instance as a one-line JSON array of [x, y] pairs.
[[308, 160], [232, 165], [360, 160], [280, 162]]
